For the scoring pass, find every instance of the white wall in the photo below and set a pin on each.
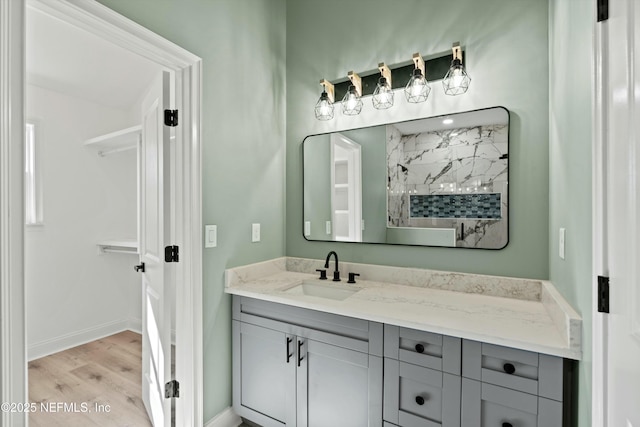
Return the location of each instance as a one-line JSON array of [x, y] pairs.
[[74, 295]]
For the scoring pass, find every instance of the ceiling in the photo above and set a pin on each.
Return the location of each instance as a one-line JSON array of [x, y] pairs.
[[487, 116], [65, 58]]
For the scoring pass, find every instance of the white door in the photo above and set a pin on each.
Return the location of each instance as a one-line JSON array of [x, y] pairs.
[[154, 233], [346, 189], [619, 348]]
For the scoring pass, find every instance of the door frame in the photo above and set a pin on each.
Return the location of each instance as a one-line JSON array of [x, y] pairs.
[[605, 118], [598, 214], [354, 196], [105, 23]]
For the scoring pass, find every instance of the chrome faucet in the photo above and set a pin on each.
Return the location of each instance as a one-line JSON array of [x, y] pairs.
[[336, 273]]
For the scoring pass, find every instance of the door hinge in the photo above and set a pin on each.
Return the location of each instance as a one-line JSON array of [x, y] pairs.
[[603, 294], [172, 389], [171, 118], [171, 254], [602, 10]]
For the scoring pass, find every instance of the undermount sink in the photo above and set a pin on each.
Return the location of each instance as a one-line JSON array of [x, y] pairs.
[[329, 290]]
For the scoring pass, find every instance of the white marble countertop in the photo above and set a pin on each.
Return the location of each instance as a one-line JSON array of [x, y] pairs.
[[518, 313]]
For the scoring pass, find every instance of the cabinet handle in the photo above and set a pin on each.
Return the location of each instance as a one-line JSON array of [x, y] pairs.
[[509, 369], [289, 340], [139, 268], [419, 348], [507, 425], [300, 358], [420, 400]]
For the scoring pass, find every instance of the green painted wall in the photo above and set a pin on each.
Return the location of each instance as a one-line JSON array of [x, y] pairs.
[[507, 57], [571, 42], [242, 44]]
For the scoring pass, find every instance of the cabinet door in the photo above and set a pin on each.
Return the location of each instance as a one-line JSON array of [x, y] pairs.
[[338, 386], [264, 375]]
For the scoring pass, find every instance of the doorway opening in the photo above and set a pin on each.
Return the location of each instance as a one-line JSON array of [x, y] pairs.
[[186, 232], [99, 177]]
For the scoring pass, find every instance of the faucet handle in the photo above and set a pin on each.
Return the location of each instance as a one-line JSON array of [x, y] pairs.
[[336, 276], [323, 274], [352, 277]]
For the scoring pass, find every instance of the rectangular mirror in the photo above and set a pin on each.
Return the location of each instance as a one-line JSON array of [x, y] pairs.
[[438, 181]]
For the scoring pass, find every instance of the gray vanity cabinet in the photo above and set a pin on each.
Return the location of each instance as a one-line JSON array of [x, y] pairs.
[[294, 367], [297, 367]]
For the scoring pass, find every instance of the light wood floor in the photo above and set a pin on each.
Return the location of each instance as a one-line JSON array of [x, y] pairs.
[[102, 372]]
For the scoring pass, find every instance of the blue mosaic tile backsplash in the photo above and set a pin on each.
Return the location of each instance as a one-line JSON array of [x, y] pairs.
[[485, 206]]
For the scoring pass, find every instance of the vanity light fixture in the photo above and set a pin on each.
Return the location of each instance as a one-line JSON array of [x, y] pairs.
[[456, 81], [352, 101], [324, 106], [418, 89], [383, 95]]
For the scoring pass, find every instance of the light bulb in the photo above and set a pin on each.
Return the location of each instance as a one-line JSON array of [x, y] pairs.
[[418, 89], [324, 107], [383, 95], [457, 78], [351, 103], [457, 81]]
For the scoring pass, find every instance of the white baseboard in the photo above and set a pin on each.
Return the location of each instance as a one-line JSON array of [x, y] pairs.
[[74, 339], [135, 325], [226, 418]]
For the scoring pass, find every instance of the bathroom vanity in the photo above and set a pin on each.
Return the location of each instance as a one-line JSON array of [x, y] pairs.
[[401, 347]]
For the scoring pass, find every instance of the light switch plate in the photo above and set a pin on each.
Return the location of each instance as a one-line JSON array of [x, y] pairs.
[[307, 228], [327, 227], [255, 233], [210, 236], [561, 237]]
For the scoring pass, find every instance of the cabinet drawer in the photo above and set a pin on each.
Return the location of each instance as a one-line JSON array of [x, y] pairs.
[[520, 370], [415, 396], [421, 348], [487, 405], [348, 332]]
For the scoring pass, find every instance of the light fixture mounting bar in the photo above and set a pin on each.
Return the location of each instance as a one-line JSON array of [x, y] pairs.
[[356, 81], [329, 88], [457, 51], [385, 71], [435, 69], [419, 62]]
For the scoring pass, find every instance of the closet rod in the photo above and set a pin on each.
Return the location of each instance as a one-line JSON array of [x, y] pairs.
[[103, 250], [104, 153]]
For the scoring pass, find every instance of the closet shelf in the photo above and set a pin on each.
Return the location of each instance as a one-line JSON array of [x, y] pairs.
[[125, 139], [124, 246]]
